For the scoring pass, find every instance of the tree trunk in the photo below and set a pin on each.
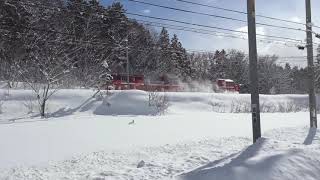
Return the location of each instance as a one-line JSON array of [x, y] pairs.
[[44, 100], [42, 108]]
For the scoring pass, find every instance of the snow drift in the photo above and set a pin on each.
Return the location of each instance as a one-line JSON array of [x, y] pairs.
[[267, 159], [134, 102]]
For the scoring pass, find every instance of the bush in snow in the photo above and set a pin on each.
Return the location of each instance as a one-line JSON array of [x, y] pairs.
[[1, 105], [239, 106], [290, 107], [30, 105], [159, 100], [268, 107], [2, 100], [218, 107]]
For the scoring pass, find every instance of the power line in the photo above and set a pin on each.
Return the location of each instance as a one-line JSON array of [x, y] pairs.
[[242, 12], [230, 30], [261, 40], [214, 15], [204, 30], [77, 42], [213, 27], [293, 57], [221, 34], [212, 32], [181, 22], [181, 28], [188, 11], [207, 26]]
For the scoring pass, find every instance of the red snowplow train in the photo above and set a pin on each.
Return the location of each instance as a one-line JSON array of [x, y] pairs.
[[120, 82]]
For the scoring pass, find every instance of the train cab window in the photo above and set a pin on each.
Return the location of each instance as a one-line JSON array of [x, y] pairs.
[[139, 79], [116, 77], [229, 84], [220, 83]]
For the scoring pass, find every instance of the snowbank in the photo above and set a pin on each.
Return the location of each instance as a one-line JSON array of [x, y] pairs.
[[126, 103], [67, 102], [294, 156], [268, 159]]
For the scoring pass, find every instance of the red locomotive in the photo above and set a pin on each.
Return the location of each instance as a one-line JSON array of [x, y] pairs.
[[227, 85], [120, 82], [164, 83]]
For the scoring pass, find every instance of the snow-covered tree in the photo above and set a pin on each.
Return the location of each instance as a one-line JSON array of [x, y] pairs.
[[13, 17], [164, 61], [179, 60]]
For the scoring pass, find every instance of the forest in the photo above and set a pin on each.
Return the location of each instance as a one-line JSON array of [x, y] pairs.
[[80, 43]]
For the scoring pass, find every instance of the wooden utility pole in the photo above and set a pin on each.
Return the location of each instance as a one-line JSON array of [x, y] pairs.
[[312, 95], [253, 67]]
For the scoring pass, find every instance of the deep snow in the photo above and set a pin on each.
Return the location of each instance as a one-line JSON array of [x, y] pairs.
[[290, 158], [92, 138]]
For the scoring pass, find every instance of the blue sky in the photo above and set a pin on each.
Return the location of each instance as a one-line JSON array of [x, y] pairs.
[[285, 9]]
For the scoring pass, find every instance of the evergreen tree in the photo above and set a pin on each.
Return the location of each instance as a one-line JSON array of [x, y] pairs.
[[14, 20], [268, 76], [217, 65], [235, 67], [164, 61]]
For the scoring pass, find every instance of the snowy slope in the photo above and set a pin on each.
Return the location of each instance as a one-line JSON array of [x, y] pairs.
[[91, 138], [35, 141], [161, 162], [224, 158], [268, 159], [66, 102]]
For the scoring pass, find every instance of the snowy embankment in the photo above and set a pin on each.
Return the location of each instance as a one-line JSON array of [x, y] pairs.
[[91, 138], [67, 102]]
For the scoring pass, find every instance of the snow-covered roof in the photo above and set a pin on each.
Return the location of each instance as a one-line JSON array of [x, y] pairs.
[[226, 80]]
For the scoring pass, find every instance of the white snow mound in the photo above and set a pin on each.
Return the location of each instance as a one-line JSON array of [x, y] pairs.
[[265, 160], [126, 103]]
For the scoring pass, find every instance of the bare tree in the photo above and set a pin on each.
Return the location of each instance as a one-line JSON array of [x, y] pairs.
[[46, 68]]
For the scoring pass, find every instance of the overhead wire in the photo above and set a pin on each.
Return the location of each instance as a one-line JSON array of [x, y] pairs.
[[202, 29], [242, 12], [214, 15], [207, 26], [134, 14], [220, 33], [169, 27], [215, 33], [76, 42], [214, 27]]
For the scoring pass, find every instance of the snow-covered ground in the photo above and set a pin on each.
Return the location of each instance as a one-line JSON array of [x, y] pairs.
[[198, 138], [285, 154]]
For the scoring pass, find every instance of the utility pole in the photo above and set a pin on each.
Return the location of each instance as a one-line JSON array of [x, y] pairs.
[[312, 95], [127, 56], [253, 67]]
